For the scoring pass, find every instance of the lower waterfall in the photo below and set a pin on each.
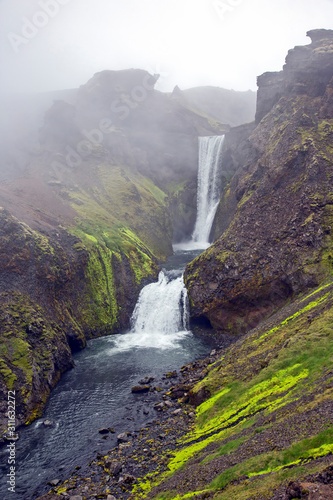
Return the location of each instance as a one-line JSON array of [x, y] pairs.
[[160, 317], [97, 392]]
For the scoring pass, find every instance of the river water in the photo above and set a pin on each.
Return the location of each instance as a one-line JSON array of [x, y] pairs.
[[97, 392]]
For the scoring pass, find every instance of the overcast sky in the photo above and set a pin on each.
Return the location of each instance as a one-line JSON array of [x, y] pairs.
[[57, 44]]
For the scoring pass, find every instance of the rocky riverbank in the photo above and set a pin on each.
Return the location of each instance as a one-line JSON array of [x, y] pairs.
[[170, 409]]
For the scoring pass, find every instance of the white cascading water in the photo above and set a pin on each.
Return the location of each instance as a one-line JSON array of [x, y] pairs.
[[160, 317], [208, 196]]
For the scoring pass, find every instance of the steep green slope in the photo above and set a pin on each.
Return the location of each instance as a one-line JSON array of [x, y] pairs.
[[269, 416], [59, 288]]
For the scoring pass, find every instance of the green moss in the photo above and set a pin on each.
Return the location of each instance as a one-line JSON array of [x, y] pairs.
[[100, 309], [300, 355], [29, 344], [128, 200], [301, 452], [226, 449], [294, 316], [206, 405], [7, 374]]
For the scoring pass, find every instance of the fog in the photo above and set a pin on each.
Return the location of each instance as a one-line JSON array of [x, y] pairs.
[[48, 46], [59, 44]]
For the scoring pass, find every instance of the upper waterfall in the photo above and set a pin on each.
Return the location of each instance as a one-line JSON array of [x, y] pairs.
[[209, 185]]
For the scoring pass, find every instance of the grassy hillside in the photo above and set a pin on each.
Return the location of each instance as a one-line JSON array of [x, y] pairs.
[[269, 416]]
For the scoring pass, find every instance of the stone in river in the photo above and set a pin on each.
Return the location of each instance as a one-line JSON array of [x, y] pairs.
[[140, 388], [146, 380], [54, 482], [104, 430], [123, 437], [48, 423]]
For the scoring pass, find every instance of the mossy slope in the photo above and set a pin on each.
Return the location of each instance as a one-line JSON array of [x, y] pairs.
[[77, 283], [269, 418]]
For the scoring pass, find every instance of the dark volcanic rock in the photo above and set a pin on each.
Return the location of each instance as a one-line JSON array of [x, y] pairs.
[[307, 71], [277, 210]]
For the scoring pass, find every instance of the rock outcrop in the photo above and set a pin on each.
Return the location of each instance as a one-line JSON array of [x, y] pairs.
[[307, 71], [276, 213]]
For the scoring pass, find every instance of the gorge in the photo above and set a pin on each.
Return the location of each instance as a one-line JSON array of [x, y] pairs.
[[159, 341], [255, 417]]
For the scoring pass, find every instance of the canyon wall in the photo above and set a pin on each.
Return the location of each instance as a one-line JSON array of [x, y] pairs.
[[275, 215]]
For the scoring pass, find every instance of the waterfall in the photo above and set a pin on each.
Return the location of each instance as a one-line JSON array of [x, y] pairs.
[[160, 316], [209, 186]]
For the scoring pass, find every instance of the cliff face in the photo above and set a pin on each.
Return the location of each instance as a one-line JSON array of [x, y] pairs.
[[276, 213], [307, 71]]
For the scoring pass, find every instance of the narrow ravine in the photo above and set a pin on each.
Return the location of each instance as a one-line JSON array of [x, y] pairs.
[[97, 392]]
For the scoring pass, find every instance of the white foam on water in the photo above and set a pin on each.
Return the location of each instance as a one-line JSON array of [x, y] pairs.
[[160, 317]]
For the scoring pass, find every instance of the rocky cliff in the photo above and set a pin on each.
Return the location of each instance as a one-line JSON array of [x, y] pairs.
[[276, 213]]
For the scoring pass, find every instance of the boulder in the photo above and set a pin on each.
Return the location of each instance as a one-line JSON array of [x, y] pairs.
[[140, 388], [54, 482], [127, 480], [104, 430], [114, 467], [146, 380], [48, 423], [123, 437]]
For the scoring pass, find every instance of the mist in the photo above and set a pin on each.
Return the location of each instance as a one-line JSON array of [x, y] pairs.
[[59, 44], [50, 48]]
